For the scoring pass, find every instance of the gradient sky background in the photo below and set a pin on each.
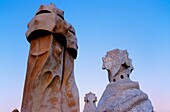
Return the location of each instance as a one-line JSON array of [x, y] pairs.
[[140, 26]]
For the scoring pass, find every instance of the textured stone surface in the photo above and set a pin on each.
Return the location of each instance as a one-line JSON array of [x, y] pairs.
[[50, 85], [90, 102], [122, 94]]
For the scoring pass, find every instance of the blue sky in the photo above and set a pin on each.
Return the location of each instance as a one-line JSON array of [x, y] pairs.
[[140, 26]]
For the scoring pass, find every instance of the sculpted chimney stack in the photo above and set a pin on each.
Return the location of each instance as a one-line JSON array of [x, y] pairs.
[[50, 85]]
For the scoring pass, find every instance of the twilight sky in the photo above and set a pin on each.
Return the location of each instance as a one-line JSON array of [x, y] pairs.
[[140, 26]]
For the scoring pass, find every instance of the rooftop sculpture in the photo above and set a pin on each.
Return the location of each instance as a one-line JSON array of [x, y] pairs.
[[50, 85], [122, 94], [90, 102]]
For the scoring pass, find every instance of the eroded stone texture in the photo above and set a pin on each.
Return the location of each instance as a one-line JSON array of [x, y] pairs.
[[50, 84], [122, 94], [90, 102]]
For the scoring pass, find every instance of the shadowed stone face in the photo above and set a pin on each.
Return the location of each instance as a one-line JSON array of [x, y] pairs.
[[50, 85]]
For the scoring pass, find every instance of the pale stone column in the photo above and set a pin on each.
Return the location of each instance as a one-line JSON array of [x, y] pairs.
[[50, 84]]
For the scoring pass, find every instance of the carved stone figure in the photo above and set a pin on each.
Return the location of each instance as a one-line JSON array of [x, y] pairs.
[[50, 84], [90, 102], [122, 94]]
